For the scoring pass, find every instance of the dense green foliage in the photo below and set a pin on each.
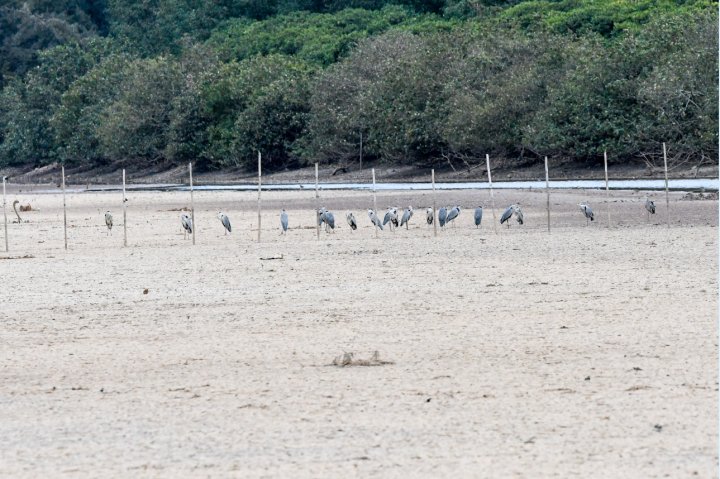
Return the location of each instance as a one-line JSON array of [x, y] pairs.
[[147, 81]]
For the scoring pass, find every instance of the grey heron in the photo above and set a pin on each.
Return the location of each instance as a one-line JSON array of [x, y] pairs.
[[284, 221], [429, 216], [507, 214], [442, 216], [406, 217], [186, 224], [329, 221], [15, 203], [391, 217], [351, 220], [452, 214], [478, 216], [225, 222], [321, 216], [375, 219], [108, 222], [649, 206], [588, 212]]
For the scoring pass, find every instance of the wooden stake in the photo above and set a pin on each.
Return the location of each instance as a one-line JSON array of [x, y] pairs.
[[5, 215], [124, 213], [64, 207], [607, 188], [317, 203], [374, 198], [667, 191], [432, 178], [492, 198], [547, 189], [361, 145], [192, 203], [259, 191]]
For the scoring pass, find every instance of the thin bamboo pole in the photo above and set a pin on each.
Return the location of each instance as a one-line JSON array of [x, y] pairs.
[[547, 189], [492, 197], [259, 193], [317, 202], [192, 203], [607, 188], [374, 198], [667, 190], [64, 207], [124, 204], [5, 216], [432, 177]]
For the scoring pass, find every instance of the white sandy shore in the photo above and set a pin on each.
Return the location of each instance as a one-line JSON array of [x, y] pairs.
[[589, 352]]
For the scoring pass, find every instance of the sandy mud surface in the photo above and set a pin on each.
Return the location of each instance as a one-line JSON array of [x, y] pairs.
[[587, 352]]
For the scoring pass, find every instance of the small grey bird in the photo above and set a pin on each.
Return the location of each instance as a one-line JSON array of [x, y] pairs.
[[407, 214], [452, 214], [442, 216], [108, 222], [478, 216], [351, 220], [429, 216], [225, 222], [374, 219], [284, 221], [186, 224], [588, 212]]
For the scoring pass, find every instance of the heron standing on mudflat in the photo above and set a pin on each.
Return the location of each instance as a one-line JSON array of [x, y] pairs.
[[452, 214], [108, 222], [284, 221], [375, 219], [588, 212], [478, 216], [350, 217], [442, 216], [429, 216], [186, 224], [225, 222], [406, 217]]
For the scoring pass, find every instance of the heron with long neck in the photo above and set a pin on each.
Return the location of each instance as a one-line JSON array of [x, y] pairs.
[[15, 203]]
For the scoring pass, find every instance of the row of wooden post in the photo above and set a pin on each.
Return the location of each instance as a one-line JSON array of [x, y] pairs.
[[317, 199]]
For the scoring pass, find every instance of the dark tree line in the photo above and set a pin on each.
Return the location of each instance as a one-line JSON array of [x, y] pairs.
[[175, 80]]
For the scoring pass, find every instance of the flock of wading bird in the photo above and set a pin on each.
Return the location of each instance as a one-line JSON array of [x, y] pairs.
[[445, 216]]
